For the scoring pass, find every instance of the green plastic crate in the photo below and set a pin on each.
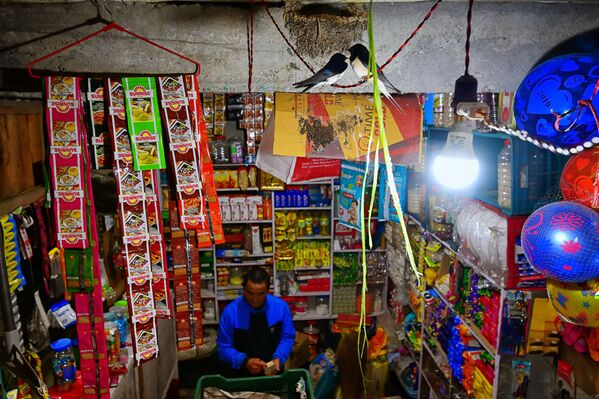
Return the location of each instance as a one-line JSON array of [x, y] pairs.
[[282, 385]]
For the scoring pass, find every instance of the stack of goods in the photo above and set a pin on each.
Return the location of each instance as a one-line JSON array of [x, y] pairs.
[[245, 208], [293, 225], [242, 177], [304, 196], [214, 113], [344, 299]]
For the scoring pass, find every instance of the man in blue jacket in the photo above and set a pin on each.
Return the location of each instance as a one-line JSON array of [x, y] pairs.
[[255, 328]]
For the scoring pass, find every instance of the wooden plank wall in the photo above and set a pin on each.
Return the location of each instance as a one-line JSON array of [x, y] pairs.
[[21, 146]]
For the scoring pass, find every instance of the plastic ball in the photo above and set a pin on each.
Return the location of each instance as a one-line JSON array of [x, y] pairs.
[[575, 303], [555, 87], [561, 241], [580, 178]]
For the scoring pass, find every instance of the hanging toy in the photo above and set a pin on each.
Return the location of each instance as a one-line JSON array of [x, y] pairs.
[[561, 241], [575, 303], [580, 178], [557, 103]]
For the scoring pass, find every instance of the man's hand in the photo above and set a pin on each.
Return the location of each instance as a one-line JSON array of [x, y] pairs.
[[275, 368], [255, 365]]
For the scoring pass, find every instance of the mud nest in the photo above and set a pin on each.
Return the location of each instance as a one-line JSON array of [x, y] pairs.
[[324, 29]]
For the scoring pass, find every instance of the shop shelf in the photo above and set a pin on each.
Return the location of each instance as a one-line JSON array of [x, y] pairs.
[[529, 164], [307, 293], [265, 255], [304, 208], [231, 165], [237, 189], [247, 221], [355, 251], [474, 330], [282, 385], [312, 316], [314, 238], [228, 264]]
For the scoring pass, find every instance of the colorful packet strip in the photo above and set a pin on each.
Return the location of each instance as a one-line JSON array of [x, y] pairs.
[[183, 144], [95, 310], [207, 171], [162, 297], [143, 117], [96, 122], [63, 119], [132, 210]]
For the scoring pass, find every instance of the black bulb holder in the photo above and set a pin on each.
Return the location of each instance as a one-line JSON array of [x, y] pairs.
[[464, 91]]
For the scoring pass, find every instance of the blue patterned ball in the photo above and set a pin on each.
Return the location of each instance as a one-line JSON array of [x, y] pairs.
[[555, 87], [561, 241]]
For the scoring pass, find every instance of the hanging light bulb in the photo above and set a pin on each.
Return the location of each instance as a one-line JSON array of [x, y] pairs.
[[456, 167]]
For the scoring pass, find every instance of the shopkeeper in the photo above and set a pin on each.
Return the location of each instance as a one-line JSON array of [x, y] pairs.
[[256, 328]]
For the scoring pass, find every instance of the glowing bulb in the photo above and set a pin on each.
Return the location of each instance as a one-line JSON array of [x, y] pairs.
[[456, 167]]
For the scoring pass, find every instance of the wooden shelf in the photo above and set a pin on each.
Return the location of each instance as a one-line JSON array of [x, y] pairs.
[[9, 204]]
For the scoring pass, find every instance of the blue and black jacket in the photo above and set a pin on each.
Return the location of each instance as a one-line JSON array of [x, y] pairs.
[[265, 333]]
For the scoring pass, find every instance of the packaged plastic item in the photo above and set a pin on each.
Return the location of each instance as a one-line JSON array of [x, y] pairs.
[[485, 234], [219, 150], [236, 150], [322, 306]]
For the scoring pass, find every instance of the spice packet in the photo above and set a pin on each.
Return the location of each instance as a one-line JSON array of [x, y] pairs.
[[96, 126], [183, 145], [63, 110], [144, 123], [145, 342], [207, 170]]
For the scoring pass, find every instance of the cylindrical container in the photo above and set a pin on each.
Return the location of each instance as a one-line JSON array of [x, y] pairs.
[[301, 306], [63, 363], [313, 334], [235, 275], [236, 150], [322, 306], [369, 301], [209, 311]]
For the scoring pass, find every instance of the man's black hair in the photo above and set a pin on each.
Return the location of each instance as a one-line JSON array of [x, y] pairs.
[[257, 275]]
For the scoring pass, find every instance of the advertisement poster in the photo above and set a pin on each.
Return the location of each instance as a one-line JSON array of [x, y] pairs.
[[339, 125]]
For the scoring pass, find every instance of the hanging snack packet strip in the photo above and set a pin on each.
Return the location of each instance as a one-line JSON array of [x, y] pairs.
[[96, 122], [66, 164], [144, 123], [183, 151], [96, 311], [131, 190], [157, 245], [207, 171]]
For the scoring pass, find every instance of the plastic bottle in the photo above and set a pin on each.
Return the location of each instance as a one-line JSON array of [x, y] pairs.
[[504, 176], [313, 334], [236, 149], [63, 363]]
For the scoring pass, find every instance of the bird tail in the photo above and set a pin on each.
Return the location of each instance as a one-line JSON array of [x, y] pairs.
[[388, 84], [395, 103]]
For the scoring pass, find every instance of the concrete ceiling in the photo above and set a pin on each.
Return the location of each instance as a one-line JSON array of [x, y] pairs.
[[508, 38]]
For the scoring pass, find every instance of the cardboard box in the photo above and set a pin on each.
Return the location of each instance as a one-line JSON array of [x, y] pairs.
[[299, 353]]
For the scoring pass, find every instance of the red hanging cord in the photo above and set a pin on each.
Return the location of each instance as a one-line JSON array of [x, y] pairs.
[[380, 69], [468, 31], [106, 28], [250, 29]]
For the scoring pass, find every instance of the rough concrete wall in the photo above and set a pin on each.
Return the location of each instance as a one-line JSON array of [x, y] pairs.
[[507, 39]]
